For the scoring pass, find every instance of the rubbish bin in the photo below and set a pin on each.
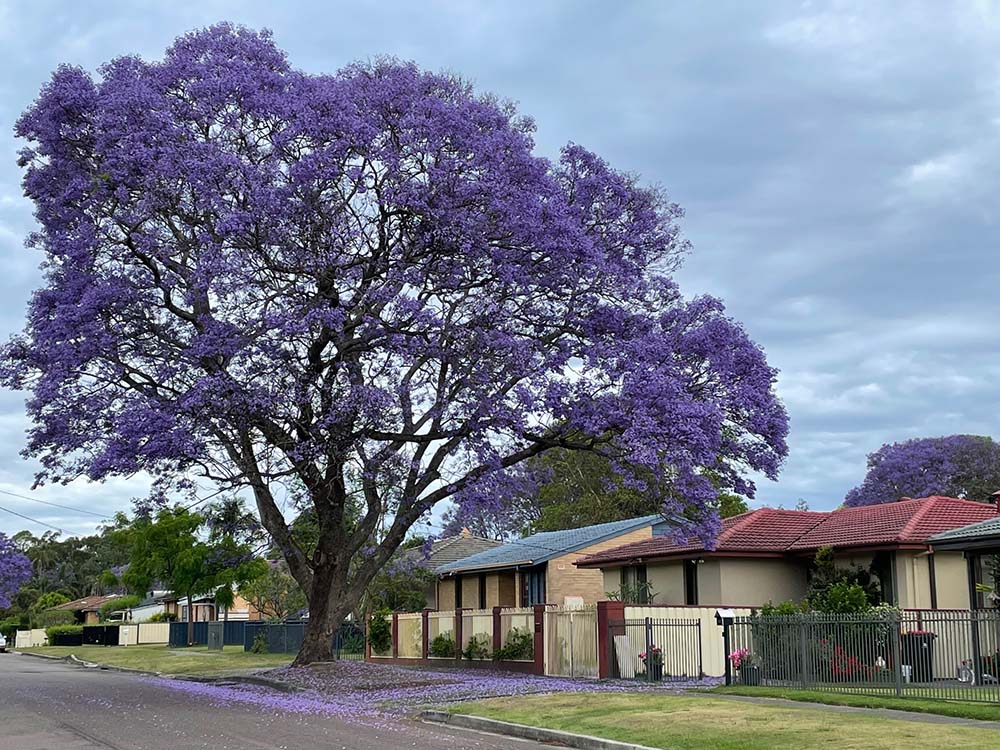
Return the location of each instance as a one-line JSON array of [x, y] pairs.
[[917, 650]]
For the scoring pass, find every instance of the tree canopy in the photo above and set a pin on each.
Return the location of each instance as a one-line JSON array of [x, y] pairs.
[[15, 570], [363, 290], [966, 466]]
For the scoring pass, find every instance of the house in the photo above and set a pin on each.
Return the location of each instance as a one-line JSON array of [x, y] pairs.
[[537, 569], [764, 555], [446, 551], [88, 609], [151, 605], [205, 609], [979, 544]]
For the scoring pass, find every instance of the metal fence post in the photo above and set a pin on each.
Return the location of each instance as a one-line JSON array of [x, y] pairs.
[[649, 647], [897, 655], [701, 651], [803, 651], [726, 623]]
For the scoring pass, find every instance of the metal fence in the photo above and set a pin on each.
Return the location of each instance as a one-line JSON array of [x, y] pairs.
[[655, 650], [286, 638], [233, 633], [942, 654]]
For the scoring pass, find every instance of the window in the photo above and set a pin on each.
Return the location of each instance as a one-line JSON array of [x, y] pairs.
[[184, 613], [691, 582], [482, 591], [533, 587], [633, 585], [883, 567]]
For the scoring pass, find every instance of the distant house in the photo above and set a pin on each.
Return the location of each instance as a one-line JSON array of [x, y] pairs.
[[446, 551], [764, 555], [204, 608], [88, 609], [537, 569]]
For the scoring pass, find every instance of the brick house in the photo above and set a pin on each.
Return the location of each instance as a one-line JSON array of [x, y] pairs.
[[537, 569], [764, 555]]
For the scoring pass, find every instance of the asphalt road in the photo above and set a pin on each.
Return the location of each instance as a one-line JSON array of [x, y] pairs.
[[47, 705]]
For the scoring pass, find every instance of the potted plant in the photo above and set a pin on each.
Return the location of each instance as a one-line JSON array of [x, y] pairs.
[[746, 666], [653, 659]]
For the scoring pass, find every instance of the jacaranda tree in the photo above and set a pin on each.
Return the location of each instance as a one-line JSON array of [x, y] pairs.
[[965, 466], [15, 570], [361, 293]]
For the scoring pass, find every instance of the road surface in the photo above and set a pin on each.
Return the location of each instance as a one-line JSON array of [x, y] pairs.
[[49, 705]]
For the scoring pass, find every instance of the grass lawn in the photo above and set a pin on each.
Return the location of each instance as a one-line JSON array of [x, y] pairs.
[[962, 709], [194, 660], [696, 722]]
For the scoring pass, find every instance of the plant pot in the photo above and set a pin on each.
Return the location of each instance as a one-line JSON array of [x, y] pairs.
[[750, 675], [654, 672]]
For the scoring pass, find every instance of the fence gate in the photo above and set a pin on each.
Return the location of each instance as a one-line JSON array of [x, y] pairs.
[[571, 642], [655, 650]]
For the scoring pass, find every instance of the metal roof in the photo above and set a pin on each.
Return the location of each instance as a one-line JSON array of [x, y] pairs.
[[989, 528], [539, 548]]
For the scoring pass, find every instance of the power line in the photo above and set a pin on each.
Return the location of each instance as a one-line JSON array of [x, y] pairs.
[[54, 505], [29, 518]]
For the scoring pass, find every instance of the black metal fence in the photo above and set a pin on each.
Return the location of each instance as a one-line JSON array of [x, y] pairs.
[[942, 654], [100, 635], [233, 633], [286, 638], [655, 650]]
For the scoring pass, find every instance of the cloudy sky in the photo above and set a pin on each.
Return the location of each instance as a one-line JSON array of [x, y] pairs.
[[838, 163]]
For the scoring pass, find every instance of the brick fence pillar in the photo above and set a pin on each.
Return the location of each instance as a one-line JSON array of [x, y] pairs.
[[539, 646], [425, 633], [607, 613], [497, 635], [395, 636]]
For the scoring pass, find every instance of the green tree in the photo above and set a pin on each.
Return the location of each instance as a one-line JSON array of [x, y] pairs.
[[731, 505], [175, 548], [275, 594]]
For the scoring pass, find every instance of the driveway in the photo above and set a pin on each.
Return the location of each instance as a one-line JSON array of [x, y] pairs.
[[46, 705]]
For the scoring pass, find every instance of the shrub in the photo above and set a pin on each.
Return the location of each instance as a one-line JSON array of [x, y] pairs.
[[478, 647], [259, 645], [380, 632], [55, 630], [842, 597], [52, 617], [443, 645], [163, 617], [49, 600], [519, 646], [10, 625], [782, 609]]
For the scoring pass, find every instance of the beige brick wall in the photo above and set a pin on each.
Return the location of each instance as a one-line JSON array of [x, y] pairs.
[[507, 590], [753, 582], [493, 590], [951, 575], [563, 578]]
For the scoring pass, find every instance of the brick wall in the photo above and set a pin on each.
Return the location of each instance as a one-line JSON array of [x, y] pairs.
[[564, 579], [446, 594], [470, 591]]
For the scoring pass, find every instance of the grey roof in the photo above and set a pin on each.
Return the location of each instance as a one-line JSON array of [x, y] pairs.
[[539, 548], [458, 547], [988, 528]]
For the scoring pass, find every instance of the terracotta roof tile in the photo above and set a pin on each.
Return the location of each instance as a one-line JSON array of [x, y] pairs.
[[775, 531]]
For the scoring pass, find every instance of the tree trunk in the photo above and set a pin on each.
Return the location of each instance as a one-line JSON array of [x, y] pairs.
[[324, 619], [190, 638]]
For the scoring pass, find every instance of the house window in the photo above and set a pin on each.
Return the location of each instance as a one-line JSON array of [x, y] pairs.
[[184, 613], [633, 585], [884, 567], [533, 587], [691, 582], [458, 592], [482, 591]]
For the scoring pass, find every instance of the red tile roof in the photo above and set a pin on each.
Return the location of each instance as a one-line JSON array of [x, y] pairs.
[[87, 603], [906, 521], [776, 531]]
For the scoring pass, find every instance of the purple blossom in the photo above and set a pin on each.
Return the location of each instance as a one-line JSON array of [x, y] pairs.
[[966, 466], [15, 570], [364, 288]]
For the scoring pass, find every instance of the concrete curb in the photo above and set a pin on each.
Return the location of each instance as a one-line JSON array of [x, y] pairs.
[[524, 732], [207, 679]]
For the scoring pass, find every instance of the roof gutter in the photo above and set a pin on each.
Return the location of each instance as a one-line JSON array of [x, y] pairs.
[[493, 566]]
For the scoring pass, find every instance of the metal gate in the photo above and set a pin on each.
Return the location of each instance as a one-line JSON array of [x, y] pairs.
[[655, 650], [571, 642]]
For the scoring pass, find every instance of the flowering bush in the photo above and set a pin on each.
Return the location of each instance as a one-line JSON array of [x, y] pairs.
[[742, 658], [653, 656]]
